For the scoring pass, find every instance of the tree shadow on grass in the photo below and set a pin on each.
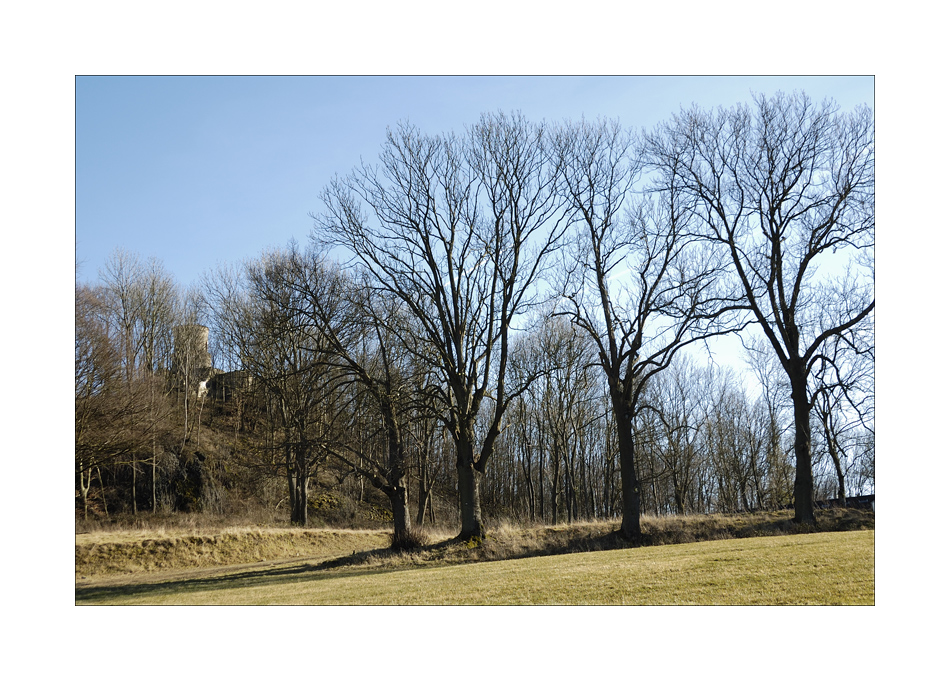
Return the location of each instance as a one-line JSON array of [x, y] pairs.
[[267, 575], [371, 562]]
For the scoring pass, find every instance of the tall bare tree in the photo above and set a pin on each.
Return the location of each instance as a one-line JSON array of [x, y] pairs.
[[365, 338], [109, 412], [639, 281], [140, 303], [843, 400], [262, 315], [676, 400], [159, 300], [785, 189], [457, 229]]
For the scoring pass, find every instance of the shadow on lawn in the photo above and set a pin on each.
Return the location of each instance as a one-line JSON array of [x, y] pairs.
[[268, 575]]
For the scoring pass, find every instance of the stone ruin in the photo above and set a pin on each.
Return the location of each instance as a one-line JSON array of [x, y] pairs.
[[191, 361]]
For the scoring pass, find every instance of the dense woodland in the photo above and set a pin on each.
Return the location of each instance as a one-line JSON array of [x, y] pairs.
[[513, 322]]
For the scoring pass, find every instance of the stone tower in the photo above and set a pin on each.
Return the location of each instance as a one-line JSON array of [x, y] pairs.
[[191, 356]]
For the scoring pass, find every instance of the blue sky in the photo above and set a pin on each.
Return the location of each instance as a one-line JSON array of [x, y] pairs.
[[197, 171]]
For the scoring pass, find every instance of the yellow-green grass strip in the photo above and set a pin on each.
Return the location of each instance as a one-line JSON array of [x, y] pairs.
[[821, 568]]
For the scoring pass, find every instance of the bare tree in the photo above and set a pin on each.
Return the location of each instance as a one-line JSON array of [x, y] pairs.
[[775, 416], [843, 400], [365, 337], [159, 298], [786, 189], [458, 230], [121, 276], [140, 302], [639, 282], [736, 440], [104, 410], [288, 361], [556, 415], [675, 396]]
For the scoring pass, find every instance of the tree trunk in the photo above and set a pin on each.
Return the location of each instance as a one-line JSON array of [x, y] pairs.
[[399, 499], [570, 486], [184, 435], [833, 451], [291, 482], [102, 486], [425, 491], [679, 496], [154, 469], [629, 484], [529, 485], [804, 483], [302, 479], [469, 484], [201, 405], [842, 493], [135, 506], [540, 471], [299, 512], [469, 501], [85, 482]]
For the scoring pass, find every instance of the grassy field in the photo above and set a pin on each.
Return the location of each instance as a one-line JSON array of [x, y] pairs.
[[817, 568]]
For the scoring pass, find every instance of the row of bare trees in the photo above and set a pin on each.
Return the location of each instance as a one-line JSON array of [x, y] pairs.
[[528, 293], [710, 441]]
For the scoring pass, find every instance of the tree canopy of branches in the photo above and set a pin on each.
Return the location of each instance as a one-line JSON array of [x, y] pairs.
[[123, 342], [458, 230], [786, 190], [639, 280], [264, 311], [364, 336]]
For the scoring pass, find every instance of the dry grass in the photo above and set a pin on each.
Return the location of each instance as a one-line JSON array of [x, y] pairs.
[[820, 568], [138, 552], [204, 543], [509, 540], [134, 554]]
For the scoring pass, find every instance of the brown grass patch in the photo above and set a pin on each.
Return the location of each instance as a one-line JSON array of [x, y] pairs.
[[233, 547], [176, 548]]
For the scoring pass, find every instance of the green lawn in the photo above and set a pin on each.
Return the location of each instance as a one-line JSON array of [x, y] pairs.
[[822, 568]]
